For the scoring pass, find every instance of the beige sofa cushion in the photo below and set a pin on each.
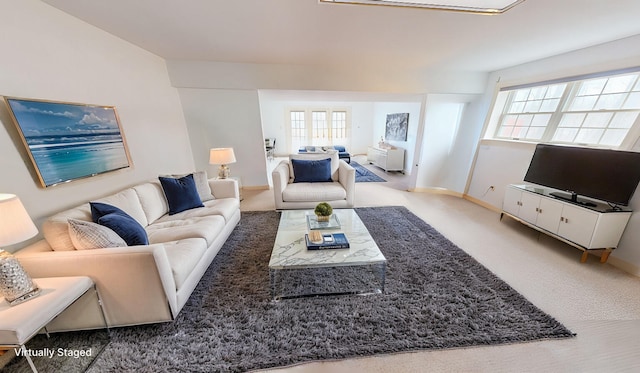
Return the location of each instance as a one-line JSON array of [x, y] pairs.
[[127, 201], [332, 154], [298, 192], [183, 255], [56, 228], [206, 227], [225, 207], [152, 200]]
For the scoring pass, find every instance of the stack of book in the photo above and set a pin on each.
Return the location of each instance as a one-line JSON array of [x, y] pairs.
[[322, 241]]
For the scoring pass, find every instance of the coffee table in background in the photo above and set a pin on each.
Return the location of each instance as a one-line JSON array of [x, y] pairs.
[[295, 271]]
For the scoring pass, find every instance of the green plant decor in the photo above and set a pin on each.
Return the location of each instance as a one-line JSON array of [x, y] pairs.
[[323, 211]]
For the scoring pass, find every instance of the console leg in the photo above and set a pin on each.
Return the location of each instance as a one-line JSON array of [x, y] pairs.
[[605, 256], [585, 254]]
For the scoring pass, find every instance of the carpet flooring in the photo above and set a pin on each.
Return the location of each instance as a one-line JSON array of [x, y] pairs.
[[363, 175], [436, 297]]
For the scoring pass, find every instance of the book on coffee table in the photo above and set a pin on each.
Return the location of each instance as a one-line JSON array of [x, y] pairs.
[[329, 241]]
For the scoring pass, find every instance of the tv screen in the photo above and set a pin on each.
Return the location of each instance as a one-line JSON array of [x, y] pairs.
[[607, 175]]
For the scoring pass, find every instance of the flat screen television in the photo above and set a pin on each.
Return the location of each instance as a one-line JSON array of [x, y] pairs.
[[607, 175]]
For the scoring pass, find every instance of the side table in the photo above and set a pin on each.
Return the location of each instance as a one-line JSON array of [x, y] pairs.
[[236, 178], [20, 323]]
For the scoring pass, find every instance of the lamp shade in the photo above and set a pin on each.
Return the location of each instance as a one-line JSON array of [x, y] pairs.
[[222, 156], [15, 224]]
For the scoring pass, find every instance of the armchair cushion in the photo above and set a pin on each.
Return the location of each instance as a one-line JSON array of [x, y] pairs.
[[311, 171], [305, 192]]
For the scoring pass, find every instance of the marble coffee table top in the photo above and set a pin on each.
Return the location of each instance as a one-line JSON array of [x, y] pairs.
[[290, 250]]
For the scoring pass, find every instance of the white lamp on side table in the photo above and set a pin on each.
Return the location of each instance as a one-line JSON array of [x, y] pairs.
[[15, 226], [223, 157]]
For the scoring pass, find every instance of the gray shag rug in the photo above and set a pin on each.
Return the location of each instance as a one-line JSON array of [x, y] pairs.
[[436, 297]]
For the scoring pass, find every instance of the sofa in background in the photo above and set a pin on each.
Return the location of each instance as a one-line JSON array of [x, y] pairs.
[[304, 189], [342, 151], [147, 282]]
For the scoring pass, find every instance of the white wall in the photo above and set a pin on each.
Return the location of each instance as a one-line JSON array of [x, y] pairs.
[[381, 110], [451, 132], [442, 123], [50, 55], [210, 74], [226, 118], [307, 84], [500, 163]]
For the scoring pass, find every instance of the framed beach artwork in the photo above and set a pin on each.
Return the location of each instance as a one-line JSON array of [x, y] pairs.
[[397, 125], [69, 141]]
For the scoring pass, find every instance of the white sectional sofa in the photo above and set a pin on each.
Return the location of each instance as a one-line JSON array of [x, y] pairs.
[[142, 283], [339, 190]]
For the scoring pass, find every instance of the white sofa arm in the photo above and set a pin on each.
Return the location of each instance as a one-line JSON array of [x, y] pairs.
[[136, 280], [280, 178], [224, 188], [347, 178]]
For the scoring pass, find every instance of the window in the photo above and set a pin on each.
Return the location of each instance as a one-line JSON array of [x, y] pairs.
[[598, 111], [339, 125], [320, 128], [326, 127], [298, 129]]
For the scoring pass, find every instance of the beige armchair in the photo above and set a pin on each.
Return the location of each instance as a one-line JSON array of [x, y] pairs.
[[290, 193]]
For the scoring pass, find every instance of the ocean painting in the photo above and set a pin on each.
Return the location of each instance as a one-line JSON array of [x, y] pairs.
[[69, 141]]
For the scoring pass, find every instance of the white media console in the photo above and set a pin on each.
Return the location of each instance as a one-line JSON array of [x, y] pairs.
[[597, 226], [387, 159]]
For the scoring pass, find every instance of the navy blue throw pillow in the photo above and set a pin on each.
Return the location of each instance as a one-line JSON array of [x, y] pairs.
[[311, 171], [120, 222], [99, 209], [181, 193]]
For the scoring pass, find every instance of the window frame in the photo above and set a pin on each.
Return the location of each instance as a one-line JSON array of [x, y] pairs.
[[310, 127], [506, 96]]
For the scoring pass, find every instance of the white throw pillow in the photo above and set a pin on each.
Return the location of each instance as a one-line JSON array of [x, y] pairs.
[[87, 235], [202, 185]]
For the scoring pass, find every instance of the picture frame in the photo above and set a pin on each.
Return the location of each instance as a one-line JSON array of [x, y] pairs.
[[397, 126], [69, 141]]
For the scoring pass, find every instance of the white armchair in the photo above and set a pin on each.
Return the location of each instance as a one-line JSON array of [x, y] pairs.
[[340, 192]]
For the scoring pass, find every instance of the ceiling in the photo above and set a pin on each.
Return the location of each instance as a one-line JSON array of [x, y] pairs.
[[306, 32]]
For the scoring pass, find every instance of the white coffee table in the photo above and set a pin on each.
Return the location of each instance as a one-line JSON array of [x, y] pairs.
[[290, 257]]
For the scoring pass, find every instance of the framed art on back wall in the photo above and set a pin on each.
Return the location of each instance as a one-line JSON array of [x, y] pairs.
[[69, 141], [397, 126]]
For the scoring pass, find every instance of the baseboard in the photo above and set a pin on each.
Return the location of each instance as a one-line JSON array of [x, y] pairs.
[[624, 265], [481, 203], [256, 187], [437, 191], [457, 194]]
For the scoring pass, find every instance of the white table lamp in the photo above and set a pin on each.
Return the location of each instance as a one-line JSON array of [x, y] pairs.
[[15, 226], [223, 157]]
